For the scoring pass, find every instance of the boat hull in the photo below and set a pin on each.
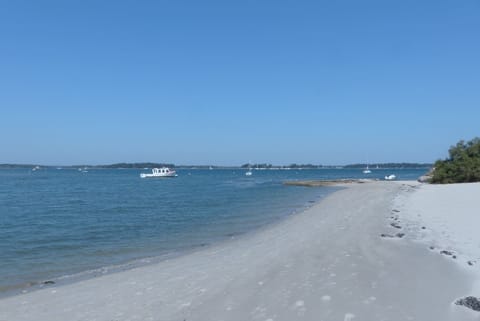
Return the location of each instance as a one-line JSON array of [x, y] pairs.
[[163, 172], [157, 176]]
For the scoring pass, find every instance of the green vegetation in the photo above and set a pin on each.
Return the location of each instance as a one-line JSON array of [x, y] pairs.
[[462, 166]]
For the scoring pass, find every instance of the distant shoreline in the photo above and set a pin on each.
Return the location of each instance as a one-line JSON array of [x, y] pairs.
[[253, 166], [335, 182]]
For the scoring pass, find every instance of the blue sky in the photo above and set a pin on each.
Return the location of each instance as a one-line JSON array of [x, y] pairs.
[[227, 82]]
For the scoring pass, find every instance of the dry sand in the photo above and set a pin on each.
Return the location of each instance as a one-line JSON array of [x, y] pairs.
[[327, 263], [447, 219]]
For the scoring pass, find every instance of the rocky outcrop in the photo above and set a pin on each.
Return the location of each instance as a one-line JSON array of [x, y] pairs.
[[469, 302]]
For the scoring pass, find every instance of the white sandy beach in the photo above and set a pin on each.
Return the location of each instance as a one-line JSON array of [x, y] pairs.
[[446, 218], [327, 263]]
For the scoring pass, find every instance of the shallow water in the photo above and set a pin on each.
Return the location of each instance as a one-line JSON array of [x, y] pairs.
[[62, 222]]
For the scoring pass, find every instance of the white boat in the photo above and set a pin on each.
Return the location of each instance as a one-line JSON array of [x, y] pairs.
[[390, 177], [366, 171], [249, 172], [160, 172]]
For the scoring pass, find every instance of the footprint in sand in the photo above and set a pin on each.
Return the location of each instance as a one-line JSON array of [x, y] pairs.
[[399, 235], [395, 225], [448, 253]]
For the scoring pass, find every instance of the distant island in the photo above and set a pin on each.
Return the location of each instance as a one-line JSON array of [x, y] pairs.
[[353, 166], [391, 165], [244, 166], [136, 165], [110, 166]]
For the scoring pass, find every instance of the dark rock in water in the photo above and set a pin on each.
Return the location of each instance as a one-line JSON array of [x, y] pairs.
[[48, 282], [432, 247], [400, 235], [395, 225], [444, 252], [470, 263], [396, 211], [454, 257], [423, 227], [470, 302]]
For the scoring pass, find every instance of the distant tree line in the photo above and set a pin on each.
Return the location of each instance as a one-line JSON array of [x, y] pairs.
[[391, 165], [264, 165], [312, 166], [8, 166], [136, 165], [268, 166], [462, 165], [117, 165]]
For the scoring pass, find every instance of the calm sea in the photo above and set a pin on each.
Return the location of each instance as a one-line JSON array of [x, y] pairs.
[[57, 224]]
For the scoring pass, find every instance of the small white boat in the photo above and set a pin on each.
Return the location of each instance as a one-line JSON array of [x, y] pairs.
[[249, 173], [366, 171], [390, 177], [160, 172]]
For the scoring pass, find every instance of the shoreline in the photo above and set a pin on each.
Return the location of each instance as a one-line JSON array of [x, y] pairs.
[[75, 277], [333, 182], [328, 262]]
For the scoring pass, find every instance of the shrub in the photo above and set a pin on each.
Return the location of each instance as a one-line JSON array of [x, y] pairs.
[[462, 165]]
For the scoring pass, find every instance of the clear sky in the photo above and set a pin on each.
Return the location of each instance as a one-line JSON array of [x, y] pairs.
[[227, 82]]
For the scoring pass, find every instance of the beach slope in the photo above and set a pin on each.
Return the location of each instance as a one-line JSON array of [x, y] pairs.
[[330, 262]]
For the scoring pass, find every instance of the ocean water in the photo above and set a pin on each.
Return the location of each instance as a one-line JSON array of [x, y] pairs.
[[57, 224]]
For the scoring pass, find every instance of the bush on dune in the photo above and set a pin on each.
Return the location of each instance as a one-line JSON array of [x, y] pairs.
[[462, 165]]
